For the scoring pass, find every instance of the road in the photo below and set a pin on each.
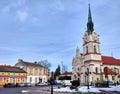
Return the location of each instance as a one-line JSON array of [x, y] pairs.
[[38, 90], [28, 90]]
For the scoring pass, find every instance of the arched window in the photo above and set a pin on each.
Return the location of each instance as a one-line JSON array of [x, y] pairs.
[[86, 49], [96, 69], [95, 48]]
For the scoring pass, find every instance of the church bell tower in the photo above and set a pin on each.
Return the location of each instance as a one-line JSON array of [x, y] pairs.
[[91, 45]]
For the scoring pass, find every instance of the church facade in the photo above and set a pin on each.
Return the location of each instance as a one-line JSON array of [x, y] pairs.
[[91, 66]]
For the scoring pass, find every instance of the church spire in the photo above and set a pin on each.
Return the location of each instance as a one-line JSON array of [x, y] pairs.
[[90, 24]]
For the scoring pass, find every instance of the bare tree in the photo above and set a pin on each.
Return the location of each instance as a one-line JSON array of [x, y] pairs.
[[45, 63]]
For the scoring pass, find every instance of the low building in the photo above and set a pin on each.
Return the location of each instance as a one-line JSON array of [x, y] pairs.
[[10, 74], [66, 75], [35, 72]]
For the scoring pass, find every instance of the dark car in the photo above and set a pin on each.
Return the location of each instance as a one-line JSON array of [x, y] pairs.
[[20, 84], [10, 85]]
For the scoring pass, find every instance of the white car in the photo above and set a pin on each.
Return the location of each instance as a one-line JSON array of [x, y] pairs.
[[42, 84]]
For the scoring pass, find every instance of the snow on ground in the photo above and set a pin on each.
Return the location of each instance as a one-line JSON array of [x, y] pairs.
[[79, 89], [85, 89], [64, 89], [24, 91]]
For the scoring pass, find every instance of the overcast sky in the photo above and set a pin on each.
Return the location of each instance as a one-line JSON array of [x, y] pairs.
[[35, 30]]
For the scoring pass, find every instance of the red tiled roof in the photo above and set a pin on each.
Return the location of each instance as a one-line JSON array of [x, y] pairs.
[[110, 60], [108, 71], [7, 68], [67, 73]]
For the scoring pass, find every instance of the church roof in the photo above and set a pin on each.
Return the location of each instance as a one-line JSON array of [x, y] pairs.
[[110, 60], [108, 71]]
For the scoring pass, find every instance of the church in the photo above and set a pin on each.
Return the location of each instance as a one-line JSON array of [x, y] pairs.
[[91, 66]]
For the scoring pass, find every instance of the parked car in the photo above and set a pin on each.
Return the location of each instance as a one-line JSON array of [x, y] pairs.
[[42, 84], [28, 84], [10, 85], [109, 82], [20, 84], [54, 82]]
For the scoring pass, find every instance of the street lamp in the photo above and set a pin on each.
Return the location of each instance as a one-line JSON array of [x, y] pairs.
[[51, 82]]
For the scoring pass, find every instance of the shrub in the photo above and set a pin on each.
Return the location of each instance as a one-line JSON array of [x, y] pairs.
[[75, 83]]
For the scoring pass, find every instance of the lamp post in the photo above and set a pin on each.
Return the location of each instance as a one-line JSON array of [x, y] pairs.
[[88, 77], [51, 82]]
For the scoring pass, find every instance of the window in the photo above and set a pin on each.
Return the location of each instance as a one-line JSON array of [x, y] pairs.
[[0, 79], [30, 79], [97, 79], [36, 80], [7, 80], [44, 71], [112, 77], [95, 48], [40, 71], [86, 49], [31, 71], [18, 80], [96, 69], [36, 71], [13, 80]]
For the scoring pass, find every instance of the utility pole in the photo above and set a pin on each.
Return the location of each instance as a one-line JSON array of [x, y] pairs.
[[52, 82], [88, 78], [62, 66]]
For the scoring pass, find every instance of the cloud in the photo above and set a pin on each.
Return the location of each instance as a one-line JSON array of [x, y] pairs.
[[22, 15]]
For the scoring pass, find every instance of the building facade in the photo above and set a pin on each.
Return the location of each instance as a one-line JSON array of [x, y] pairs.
[[91, 66], [35, 72], [10, 74]]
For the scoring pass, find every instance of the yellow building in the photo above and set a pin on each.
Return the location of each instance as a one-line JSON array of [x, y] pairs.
[[35, 72], [10, 74]]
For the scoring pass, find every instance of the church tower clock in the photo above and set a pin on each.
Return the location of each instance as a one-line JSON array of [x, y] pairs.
[[91, 47]]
